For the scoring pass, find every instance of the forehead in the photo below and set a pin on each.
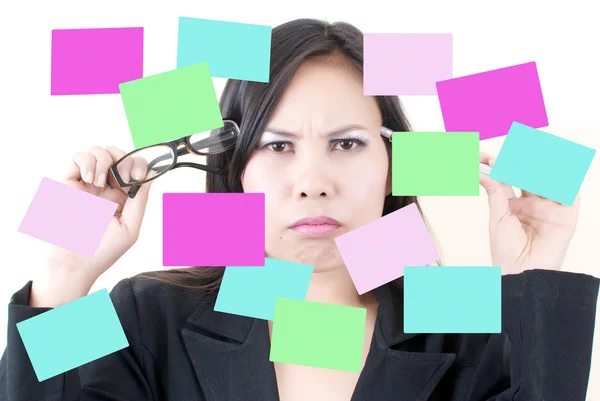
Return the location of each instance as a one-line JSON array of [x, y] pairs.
[[325, 93]]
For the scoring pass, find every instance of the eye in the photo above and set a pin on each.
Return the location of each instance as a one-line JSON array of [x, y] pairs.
[[347, 144], [277, 147]]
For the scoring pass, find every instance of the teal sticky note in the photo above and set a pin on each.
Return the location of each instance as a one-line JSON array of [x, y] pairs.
[[72, 335], [251, 290], [541, 163], [232, 49], [452, 299]]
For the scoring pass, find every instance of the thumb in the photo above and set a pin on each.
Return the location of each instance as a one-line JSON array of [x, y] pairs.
[[134, 209], [497, 198]]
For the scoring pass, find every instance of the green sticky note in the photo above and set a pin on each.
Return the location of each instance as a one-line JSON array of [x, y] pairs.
[[171, 105], [435, 163], [318, 334]]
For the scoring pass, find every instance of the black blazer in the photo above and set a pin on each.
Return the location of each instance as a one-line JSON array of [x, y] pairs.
[[181, 349]]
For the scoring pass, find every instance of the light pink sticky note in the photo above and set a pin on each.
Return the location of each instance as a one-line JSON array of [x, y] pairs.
[[398, 64], [95, 61], [377, 252], [489, 102], [214, 229], [68, 217]]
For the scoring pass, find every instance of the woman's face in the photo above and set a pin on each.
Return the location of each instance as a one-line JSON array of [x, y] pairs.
[[307, 170]]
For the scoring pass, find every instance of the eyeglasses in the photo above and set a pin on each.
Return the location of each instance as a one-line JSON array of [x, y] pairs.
[[147, 163]]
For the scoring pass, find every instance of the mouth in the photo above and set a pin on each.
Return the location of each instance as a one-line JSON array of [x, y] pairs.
[[315, 227]]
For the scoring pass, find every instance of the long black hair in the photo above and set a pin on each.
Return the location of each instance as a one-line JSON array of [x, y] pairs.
[[251, 105]]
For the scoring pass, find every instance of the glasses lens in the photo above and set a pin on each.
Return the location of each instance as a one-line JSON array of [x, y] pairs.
[[145, 164], [215, 141]]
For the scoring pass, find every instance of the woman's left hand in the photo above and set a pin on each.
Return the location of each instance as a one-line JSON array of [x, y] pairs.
[[526, 232]]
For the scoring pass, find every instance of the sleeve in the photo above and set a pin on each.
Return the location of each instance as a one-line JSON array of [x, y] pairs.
[[545, 350], [116, 377]]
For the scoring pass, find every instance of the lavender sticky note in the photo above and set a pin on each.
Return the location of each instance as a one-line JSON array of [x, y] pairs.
[[489, 102], [406, 64], [68, 217], [95, 61], [377, 252], [213, 229]]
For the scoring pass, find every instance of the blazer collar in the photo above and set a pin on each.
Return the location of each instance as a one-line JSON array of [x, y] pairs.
[[230, 354]]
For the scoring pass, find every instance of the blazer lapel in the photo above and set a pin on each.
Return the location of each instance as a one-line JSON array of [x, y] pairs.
[[230, 354], [391, 374]]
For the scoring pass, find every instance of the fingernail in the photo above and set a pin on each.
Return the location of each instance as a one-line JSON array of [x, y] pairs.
[[89, 177], [101, 180]]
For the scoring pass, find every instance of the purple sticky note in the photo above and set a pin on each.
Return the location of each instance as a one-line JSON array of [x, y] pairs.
[[95, 61], [489, 102], [377, 252], [398, 64], [213, 229], [68, 217]]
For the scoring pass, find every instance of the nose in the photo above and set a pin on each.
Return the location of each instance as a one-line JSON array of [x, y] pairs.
[[313, 179]]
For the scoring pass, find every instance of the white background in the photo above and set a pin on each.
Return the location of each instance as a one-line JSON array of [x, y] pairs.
[[562, 39]]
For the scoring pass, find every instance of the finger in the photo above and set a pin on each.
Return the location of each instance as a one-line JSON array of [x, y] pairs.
[[485, 158], [82, 167], [497, 198], [139, 169], [134, 209], [123, 168], [103, 162]]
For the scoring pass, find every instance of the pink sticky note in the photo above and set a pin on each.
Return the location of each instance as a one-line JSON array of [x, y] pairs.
[[405, 64], [95, 61], [377, 252], [489, 102], [68, 217], [213, 229]]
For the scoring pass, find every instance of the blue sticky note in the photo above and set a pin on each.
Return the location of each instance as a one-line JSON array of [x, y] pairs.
[[542, 163], [232, 49], [72, 335], [452, 299], [251, 290]]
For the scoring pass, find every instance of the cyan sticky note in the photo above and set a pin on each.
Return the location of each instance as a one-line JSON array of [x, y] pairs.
[[68, 217], [233, 50], [214, 229], [397, 64], [435, 164], [318, 334], [251, 291], [96, 60], [171, 105], [377, 252], [488, 102], [72, 335], [541, 163], [452, 299]]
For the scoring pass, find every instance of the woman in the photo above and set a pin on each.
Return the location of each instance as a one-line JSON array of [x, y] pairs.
[[181, 349]]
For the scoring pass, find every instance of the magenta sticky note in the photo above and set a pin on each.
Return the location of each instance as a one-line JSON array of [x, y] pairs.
[[377, 252], [398, 64], [213, 229], [68, 217], [489, 102], [96, 60]]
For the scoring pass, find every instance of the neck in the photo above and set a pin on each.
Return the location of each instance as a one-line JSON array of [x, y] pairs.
[[336, 287]]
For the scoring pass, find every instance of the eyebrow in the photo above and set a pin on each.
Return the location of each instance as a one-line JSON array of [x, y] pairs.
[[335, 132]]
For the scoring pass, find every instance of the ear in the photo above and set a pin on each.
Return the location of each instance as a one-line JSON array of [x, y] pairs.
[[388, 183]]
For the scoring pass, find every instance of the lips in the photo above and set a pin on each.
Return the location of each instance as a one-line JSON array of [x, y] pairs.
[[316, 221]]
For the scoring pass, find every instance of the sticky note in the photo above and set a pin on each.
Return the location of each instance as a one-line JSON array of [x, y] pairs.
[[452, 299], [251, 291], [95, 61], [318, 334], [541, 163], [232, 49], [67, 217], [214, 229], [377, 252], [489, 102], [171, 105], [435, 163], [72, 335], [405, 63]]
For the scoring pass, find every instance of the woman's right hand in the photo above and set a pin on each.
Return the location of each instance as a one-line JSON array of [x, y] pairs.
[[88, 172]]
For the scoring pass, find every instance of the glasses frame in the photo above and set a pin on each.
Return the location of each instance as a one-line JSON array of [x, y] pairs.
[[176, 151]]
